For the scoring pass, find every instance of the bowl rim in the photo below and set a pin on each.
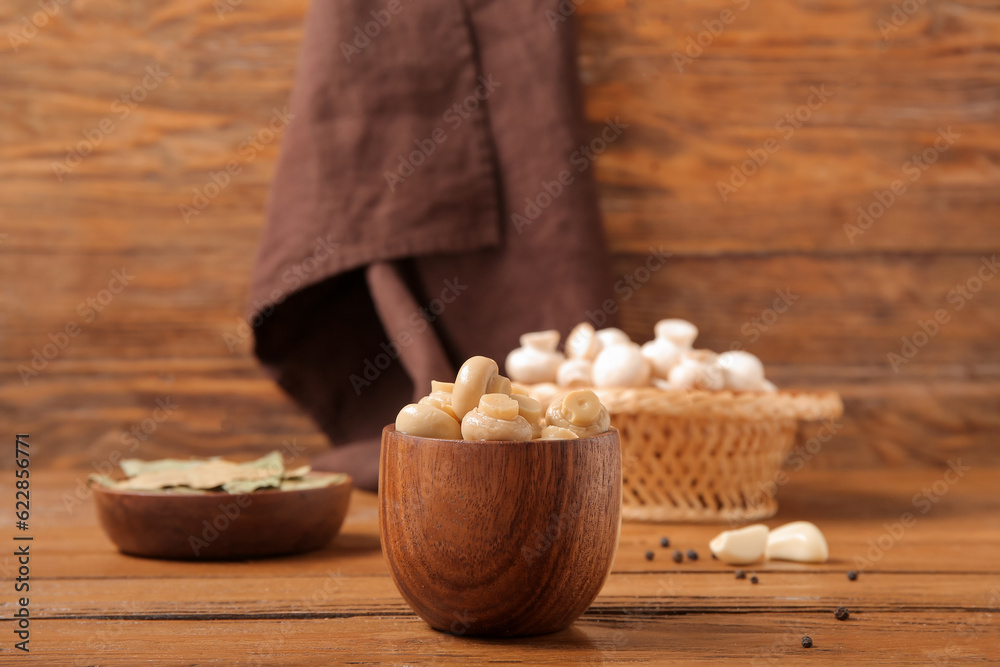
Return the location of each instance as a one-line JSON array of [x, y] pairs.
[[391, 428], [162, 493]]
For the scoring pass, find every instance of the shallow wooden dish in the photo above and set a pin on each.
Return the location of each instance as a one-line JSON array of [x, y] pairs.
[[219, 526], [499, 538]]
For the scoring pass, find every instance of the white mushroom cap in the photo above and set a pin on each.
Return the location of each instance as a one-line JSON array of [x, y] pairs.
[[575, 373], [621, 366], [712, 378], [692, 374], [543, 341], [612, 336], [679, 332], [662, 354], [582, 342], [741, 370], [529, 365], [684, 375]]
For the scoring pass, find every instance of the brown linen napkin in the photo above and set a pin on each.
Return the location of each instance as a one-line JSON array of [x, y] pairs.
[[431, 202]]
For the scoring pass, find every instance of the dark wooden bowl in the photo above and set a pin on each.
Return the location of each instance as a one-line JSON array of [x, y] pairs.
[[499, 539], [219, 526]]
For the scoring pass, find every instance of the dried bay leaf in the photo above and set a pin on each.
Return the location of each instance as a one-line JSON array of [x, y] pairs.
[[211, 475], [111, 483], [265, 472], [240, 486], [316, 481], [296, 473], [133, 467], [103, 480]]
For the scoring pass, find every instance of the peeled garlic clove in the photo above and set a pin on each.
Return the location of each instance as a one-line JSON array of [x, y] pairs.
[[741, 371], [473, 379], [612, 336], [799, 541], [532, 366], [575, 373], [621, 366], [662, 355], [543, 341], [742, 546], [768, 386], [426, 421], [679, 332], [582, 342], [557, 433]]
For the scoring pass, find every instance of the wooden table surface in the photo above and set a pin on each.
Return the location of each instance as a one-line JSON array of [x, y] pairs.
[[928, 592]]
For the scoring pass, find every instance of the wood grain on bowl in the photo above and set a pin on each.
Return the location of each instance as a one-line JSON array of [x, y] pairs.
[[220, 526], [499, 538]]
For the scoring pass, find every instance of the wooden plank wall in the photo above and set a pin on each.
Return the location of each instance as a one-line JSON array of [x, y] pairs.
[[168, 93]]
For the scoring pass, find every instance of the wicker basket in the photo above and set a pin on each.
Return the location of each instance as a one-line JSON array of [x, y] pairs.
[[707, 455]]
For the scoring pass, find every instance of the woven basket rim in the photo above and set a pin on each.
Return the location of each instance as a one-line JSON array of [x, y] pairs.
[[746, 405]]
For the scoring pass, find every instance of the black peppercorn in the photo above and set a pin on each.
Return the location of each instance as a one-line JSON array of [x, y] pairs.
[[807, 642], [678, 556], [754, 579], [853, 575], [692, 554], [842, 614], [649, 555], [664, 542], [740, 574]]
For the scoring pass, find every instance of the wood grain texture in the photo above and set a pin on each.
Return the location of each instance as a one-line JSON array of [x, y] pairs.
[[888, 96], [958, 637], [932, 594], [91, 414], [219, 78], [499, 538], [821, 310]]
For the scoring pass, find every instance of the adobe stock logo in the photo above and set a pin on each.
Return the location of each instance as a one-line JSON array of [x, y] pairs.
[[363, 36], [454, 116], [581, 159], [696, 45], [912, 169], [30, 27], [927, 329], [786, 126], [59, 340], [418, 322], [121, 108]]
